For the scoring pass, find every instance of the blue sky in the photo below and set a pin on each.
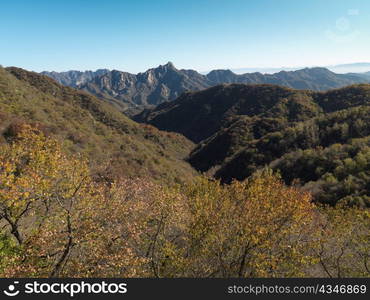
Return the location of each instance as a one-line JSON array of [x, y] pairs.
[[195, 34]]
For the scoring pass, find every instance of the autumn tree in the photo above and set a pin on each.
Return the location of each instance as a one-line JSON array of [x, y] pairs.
[[62, 223], [343, 242], [248, 229]]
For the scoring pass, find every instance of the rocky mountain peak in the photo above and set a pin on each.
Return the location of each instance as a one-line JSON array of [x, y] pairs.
[[169, 65], [165, 82]]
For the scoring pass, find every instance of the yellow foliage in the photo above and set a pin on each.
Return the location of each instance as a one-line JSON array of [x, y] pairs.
[[60, 221]]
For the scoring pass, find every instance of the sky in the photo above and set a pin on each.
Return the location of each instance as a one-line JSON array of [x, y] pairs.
[[193, 34]]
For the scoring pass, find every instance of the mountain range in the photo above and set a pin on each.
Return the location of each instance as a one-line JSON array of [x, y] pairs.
[[75, 78], [342, 68], [317, 140], [133, 92], [86, 191]]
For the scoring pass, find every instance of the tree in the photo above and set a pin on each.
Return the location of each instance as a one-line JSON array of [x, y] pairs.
[[256, 228], [64, 223], [343, 241]]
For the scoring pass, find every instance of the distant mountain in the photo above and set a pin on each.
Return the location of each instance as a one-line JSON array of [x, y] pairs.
[[263, 70], [318, 79], [361, 76], [75, 78], [350, 68], [341, 69], [166, 83], [150, 88]]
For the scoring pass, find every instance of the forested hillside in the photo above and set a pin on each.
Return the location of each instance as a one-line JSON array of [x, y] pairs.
[[198, 115], [86, 124], [240, 129], [335, 164]]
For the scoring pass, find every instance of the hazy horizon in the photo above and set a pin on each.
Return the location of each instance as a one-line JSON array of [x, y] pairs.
[[356, 67]]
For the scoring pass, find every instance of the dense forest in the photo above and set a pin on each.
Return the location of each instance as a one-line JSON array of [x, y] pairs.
[[315, 140], [320, 151]]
